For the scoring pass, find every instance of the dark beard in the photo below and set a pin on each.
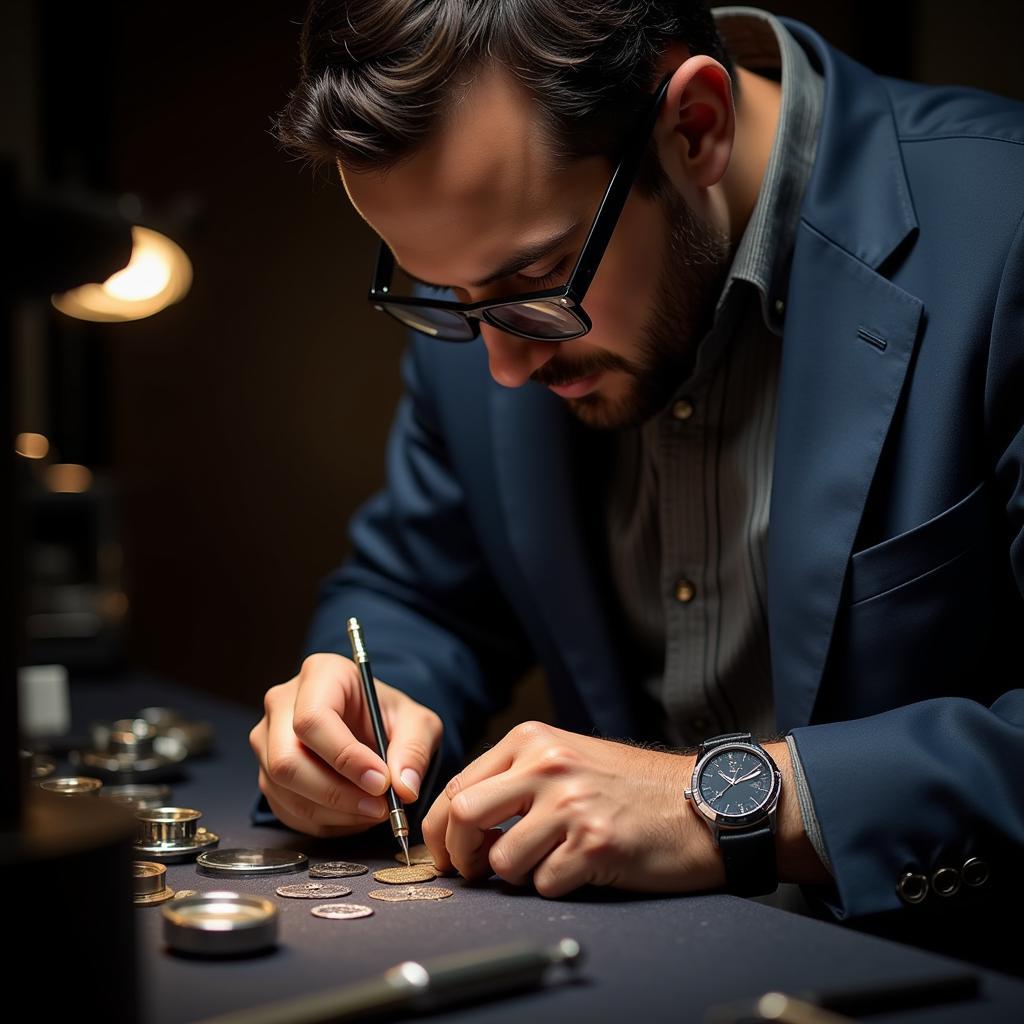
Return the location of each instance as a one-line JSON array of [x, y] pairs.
[[691, 278]]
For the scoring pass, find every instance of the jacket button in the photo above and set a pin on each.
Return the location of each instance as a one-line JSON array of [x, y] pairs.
[[682, 409], [912, 887], [685, 591], [974, 872], [946, 881]]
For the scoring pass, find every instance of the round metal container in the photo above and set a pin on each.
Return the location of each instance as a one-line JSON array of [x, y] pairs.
[[220, 924]]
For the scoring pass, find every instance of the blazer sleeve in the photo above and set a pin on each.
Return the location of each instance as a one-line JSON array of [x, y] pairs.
[[936, 783]]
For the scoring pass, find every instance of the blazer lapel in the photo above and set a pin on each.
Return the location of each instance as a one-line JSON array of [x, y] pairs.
[[848, 340]]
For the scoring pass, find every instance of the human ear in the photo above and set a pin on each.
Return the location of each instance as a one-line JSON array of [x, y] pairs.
[[697, 124]]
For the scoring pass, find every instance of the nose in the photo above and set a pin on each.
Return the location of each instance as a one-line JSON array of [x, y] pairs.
[[513, 359]]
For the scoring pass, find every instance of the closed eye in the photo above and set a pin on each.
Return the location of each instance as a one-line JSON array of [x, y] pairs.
[[551, 278]]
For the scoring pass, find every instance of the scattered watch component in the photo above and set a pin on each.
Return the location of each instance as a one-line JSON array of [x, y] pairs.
[[182, 893], [418, 854], [139, 796], [74, 785], [251, 862], [37, 766], [130, 750], [172, 833], [150, 883], [410, 894], [196, 737], [314, 891], [405, 875], [337, 869], [220, 924], [341, 911]]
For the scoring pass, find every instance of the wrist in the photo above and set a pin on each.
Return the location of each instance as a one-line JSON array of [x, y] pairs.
[[797, 860]]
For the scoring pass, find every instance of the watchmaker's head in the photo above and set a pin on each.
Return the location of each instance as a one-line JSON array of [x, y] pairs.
[[477, 138]]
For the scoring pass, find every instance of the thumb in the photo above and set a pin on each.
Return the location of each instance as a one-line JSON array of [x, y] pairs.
[[415, 735]]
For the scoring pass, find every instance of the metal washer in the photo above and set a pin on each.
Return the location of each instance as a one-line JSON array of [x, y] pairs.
[[238, 862]]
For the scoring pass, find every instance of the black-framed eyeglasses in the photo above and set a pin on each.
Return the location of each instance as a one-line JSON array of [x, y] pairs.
[[554, 314]]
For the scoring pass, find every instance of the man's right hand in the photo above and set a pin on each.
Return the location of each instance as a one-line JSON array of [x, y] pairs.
[[319, 769]]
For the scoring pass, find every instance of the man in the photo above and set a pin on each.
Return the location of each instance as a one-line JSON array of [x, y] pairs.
[[752, 467]]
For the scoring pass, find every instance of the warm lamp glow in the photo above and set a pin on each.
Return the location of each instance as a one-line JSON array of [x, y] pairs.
[[158, 274], [32, 446]]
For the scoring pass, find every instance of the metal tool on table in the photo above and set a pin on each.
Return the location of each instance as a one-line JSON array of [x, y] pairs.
[[415, 986], [399, 822]]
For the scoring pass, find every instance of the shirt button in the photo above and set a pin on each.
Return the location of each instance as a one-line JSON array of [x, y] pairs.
[[685, 591], [780, 306], [682, 409]]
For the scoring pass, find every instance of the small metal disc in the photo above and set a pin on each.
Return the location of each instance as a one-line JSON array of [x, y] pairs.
[[404, 875], [314, 891], [410, 894], [418, 854], [250, 862], [220, 924], [76, 785], [337, 869], [341, 911]]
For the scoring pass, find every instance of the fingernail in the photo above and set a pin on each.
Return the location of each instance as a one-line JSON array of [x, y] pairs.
[[411, 778], [373, 781], [372, 808]]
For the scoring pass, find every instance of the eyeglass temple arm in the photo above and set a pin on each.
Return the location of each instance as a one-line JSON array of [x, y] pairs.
[[616, 194], [384, 269]]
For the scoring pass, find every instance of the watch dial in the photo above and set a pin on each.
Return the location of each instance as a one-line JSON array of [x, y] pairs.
[[736, 782]]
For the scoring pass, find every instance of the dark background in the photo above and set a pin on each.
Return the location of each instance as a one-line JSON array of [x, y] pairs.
[[240, 428]]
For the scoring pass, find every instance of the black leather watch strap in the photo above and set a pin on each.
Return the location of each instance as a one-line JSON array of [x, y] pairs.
[[750, 865], [717, 741]]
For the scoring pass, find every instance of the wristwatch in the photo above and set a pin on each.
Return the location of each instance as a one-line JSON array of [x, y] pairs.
[[735, 789]]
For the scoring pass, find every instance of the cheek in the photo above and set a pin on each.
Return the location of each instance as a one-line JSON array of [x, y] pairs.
[[623, 289]]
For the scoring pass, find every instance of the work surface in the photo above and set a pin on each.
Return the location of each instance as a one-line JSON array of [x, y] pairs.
[[656, 958]]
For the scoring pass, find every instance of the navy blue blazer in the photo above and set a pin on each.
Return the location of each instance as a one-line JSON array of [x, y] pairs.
[[895, 552]]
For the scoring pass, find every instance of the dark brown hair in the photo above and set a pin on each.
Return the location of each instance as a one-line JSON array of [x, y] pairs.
[[376, 75]]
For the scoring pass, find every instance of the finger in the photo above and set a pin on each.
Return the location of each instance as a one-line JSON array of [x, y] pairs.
[[478, 808], [520, 849], [304, 815], [292, 767], [562, 871], [414, 735], [329, 704]]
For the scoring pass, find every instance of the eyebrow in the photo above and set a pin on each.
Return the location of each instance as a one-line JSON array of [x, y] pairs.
[[514, 264]]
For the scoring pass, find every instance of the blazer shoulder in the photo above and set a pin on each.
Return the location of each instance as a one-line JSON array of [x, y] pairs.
[[933, 112]]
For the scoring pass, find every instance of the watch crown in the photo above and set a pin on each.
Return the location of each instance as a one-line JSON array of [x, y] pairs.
[[689, 794]]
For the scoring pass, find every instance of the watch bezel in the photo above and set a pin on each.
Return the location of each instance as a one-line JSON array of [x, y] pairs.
[[736, 821]]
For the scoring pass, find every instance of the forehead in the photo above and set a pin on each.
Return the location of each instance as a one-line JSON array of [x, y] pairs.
[[484, 184]]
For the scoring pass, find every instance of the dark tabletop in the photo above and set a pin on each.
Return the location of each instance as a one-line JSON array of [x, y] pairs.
[[657, 957]]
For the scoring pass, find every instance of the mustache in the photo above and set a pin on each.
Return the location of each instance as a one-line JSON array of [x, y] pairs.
[[560, 372]]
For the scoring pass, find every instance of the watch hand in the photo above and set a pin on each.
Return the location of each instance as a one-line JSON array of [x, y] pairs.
[[749, 775], [732, 782]]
